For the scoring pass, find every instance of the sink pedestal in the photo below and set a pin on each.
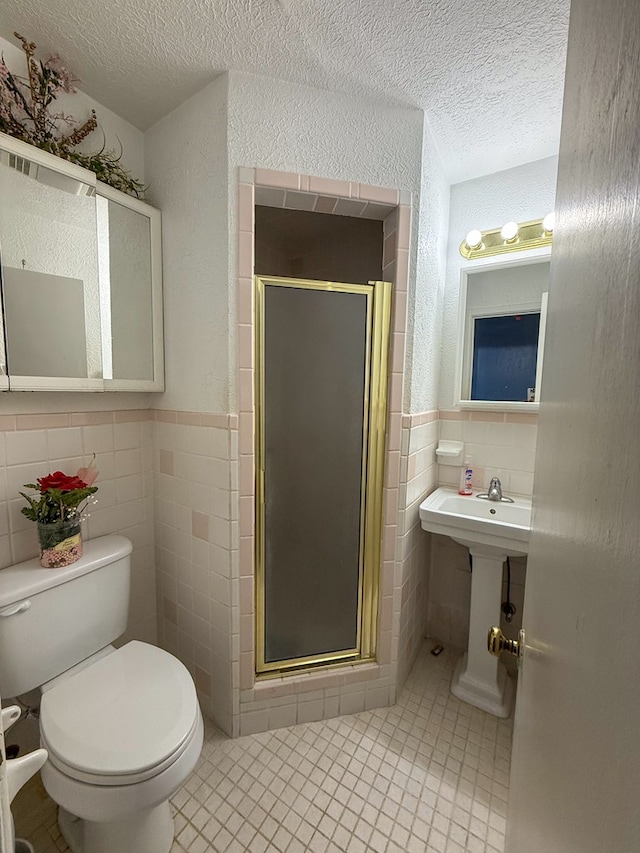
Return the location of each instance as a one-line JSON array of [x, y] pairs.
[[480, 679]]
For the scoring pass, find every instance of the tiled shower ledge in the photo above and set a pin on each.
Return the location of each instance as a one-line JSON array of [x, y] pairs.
[[428, 775]]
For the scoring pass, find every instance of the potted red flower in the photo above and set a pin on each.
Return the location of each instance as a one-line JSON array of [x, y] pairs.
[[57, 512]]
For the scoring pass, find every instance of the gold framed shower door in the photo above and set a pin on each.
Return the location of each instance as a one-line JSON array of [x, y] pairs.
[[363, 345]]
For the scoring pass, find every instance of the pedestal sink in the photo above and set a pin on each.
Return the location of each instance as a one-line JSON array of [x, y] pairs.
[[492, 531]]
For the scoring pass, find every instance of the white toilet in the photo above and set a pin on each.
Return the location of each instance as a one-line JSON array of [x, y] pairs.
[[122, 727]]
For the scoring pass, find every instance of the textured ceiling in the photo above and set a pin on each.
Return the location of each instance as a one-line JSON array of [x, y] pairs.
[[488, 73]]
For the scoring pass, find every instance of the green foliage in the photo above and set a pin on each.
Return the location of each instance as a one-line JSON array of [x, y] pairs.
[[51, 535], [54, 504], [26, 114]]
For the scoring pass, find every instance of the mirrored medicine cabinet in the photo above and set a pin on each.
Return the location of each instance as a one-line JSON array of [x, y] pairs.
[[81, 280], [501, 329]]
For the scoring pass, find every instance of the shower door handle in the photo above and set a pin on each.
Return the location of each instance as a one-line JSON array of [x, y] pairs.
[[260, 485]]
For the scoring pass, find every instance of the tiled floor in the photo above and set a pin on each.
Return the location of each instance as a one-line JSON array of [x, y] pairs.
[[429, 775]]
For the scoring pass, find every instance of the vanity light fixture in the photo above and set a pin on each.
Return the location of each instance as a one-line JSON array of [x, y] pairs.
[[511, 237], [474, 239], [509, 232]]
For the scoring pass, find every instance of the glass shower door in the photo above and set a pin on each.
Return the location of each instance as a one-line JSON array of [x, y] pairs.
[[321, 376]]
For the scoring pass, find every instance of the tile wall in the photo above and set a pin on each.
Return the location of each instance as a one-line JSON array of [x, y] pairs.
[[418, 477], [203, 512], [36, 444], [196, 547], [193, 535], [499, 444], [502, 445], [450, 594]]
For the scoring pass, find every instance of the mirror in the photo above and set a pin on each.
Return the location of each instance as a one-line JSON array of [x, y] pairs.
[[49, 257], [131, 291], [501, 333], [81, 280], [45, 323]]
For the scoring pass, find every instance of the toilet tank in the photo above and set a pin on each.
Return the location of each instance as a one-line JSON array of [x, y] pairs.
[[51, 619]]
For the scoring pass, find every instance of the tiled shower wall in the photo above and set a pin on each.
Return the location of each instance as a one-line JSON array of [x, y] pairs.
[[33, 445]]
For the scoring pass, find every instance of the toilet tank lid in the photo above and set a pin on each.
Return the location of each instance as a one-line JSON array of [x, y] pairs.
[[29, 578]]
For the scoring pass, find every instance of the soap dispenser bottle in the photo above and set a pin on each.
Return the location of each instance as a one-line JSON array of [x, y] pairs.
[[466, 478]]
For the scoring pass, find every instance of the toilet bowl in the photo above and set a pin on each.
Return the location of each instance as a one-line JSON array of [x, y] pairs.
[[123, 734], [122, 726]]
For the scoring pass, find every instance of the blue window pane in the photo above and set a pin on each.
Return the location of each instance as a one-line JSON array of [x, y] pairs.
[[505, 352]]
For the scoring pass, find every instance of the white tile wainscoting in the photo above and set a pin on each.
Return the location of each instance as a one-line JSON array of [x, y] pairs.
[[33, 445], [500, 444]]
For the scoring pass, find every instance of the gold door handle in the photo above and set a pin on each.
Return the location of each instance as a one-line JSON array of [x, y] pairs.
[[497, 642]]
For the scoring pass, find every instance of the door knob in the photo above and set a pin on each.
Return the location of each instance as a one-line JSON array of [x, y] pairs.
[[497, 642]]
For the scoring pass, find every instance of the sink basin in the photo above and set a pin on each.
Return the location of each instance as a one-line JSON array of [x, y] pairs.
[[492, 531], [502, 528]]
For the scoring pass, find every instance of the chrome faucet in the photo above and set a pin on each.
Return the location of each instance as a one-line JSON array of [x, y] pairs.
[[495, 492]]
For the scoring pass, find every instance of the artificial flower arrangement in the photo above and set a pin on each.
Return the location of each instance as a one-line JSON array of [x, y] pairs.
[[58, 513], [25, 114]]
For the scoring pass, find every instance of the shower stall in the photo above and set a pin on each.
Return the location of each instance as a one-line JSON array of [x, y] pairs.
[[321, 403]]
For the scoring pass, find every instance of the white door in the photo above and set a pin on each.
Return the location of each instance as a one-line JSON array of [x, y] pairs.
[[576, 767]]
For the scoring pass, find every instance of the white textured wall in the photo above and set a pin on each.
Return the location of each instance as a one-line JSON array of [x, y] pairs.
[[426, 305], [192, 158], [293, 128], [524, 193], [186, 164]]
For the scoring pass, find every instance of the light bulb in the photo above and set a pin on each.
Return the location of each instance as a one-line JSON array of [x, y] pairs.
[[509, 231], [474, 239], [549, 223]]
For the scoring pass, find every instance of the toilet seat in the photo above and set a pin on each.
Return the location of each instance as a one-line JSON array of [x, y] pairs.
[[122, 720]]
